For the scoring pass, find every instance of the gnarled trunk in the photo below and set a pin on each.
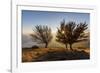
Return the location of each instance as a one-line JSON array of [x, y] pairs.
[[71, 47], [46, 45], [66, 46]]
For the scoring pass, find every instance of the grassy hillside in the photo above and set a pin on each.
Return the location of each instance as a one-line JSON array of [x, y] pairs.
[[53, 54]]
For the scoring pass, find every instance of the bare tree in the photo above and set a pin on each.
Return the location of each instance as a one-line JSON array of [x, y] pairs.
[[77, 33], [71, 33], [61, 36], [42, 34]]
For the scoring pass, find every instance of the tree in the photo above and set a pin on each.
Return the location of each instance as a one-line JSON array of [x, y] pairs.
[[70, 32], [76, 34], [61, 36], [42, 34]]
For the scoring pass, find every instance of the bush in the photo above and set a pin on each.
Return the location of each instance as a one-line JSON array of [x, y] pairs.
[[34, 47]]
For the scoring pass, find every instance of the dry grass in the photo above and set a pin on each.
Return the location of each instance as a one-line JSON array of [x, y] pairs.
[[30, 55]]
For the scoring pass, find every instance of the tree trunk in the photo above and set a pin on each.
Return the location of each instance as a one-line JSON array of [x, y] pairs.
[[46, 45], [66, 46], [71, 47]]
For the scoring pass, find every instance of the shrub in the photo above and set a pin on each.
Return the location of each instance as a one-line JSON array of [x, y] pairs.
[[34, 47]]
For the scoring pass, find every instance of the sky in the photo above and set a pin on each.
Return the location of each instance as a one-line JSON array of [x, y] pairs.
[[52, 19]]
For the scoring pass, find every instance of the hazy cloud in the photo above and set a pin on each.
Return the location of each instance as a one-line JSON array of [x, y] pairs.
[[27, 41]]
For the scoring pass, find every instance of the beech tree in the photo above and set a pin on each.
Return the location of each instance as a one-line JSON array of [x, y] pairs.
[[70, 33], [42, 35], [61, 36]]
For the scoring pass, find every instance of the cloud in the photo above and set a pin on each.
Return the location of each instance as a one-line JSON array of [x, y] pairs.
[[27, 41]]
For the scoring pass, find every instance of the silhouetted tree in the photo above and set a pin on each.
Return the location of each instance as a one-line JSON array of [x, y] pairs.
[[42, 34], [76, 34], [70, 33], [61, 36]]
